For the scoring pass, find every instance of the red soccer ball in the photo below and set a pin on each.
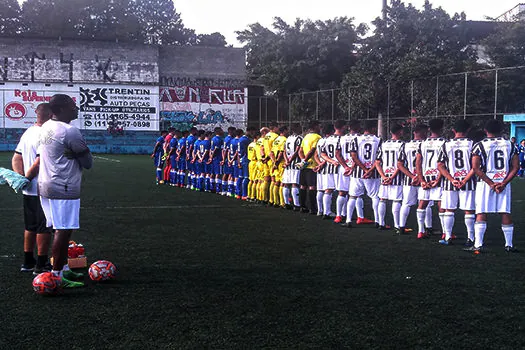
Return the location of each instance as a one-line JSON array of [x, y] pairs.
[[46, 283], [102, 270]]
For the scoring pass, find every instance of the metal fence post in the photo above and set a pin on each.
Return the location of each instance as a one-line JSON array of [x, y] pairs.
[[317, 105], [290, 111], [388, 109], [412, 99], [277, 109], [349, 105], [496, 94], [465, 97], [437, 95], [333, 105], [266, 109], [260, 112]]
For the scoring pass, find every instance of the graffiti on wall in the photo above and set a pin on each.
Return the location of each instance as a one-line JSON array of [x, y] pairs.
[[206, 107], [37, 67]]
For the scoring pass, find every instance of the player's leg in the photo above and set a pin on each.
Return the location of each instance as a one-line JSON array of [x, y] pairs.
[[409, 200], [327, 203], [503, 205], [424, 198], [449, 203], [341, 202], [43, 239], [395, 194], [381, 207], [355, 191], [372, 191]]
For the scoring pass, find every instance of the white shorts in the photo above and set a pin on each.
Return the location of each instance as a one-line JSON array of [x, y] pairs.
[[464, 200], [342, 181], [410, 195], [433, 194], [488, 201], [291, 176], [359, 186], [326, 182], [61, 214], [391, 192]]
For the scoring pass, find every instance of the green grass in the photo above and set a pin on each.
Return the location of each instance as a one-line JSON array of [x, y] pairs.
[[234, 275]]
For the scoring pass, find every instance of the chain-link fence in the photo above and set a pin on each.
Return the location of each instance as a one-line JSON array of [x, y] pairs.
[[476, 95]]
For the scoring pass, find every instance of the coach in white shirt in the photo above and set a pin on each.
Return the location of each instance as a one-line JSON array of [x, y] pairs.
[[63, 154], [26, 163]]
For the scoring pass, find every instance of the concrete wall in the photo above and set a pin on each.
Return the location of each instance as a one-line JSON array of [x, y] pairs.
[[218, 72]]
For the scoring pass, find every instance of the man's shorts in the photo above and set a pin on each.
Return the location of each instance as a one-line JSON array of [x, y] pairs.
[[410, 195], [62, 214], [252, 170], [359, 186], [34, 217], [189, 165], [173, 162], [198, 168], [264, 170], [157, 160], [464, 200], [216, 168], [342, 182], [488, 201], [326, 182], [433, 194], [227, 169], [291, 176], [308, 178], [279, 172], [391, 192], [207, 167], [182, 164]]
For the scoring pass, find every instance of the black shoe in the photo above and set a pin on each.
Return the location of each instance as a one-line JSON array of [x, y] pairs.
[[383, 228], [468, 243], [510, 249], [27, 267], [327, 217], [276, 206], [377, 225], [398, 231], [296, 208], [347, 225], [40, 269], [429, 231], [343, 218], [313, 212], [288, 207], [305, 211]]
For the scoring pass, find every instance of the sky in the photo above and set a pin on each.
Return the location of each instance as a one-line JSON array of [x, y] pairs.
[[228, 16]]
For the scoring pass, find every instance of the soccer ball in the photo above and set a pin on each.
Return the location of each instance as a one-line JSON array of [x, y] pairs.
[[102, 270], [46, 283]]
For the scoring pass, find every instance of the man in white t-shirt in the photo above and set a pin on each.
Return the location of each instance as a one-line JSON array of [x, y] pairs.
[[63, 154], [26, 163]]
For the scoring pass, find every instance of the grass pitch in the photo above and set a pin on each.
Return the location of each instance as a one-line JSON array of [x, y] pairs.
[[200, 270]]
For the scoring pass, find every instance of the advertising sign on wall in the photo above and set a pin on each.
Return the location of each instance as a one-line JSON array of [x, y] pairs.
[[101, 106]]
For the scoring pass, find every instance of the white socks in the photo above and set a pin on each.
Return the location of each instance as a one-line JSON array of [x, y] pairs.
[[428, 217], [508, 231], [295, 196], [360, 208], [350, 206], [381, 211], [403, 215], [327, 203], [421, 215], [470, 219], [448, 224], [320, 196], [375, 203], [286, 195], [341, 202], [479, 229], [396, 209]]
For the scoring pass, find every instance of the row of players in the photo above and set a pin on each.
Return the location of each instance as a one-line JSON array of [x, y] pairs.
[[282, 169]]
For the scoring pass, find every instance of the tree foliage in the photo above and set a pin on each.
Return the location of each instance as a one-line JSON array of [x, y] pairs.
[[305, 55], [145, 21], [410, 44]]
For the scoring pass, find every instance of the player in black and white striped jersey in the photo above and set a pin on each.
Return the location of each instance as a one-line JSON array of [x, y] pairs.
[[428, 172], [366, 178], [407, 164], [292, 175], [392, 177], [495, 163], [344, 178], [458, 182], [330, 172], [324, 182]]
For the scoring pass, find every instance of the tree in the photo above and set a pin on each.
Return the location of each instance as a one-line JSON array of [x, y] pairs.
[[410, 44], [211, 40], [52, 18], [9, 17], [300, 57], [506, 48]]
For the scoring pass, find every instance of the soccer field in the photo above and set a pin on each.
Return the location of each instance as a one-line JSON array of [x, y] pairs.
[[200, 270]]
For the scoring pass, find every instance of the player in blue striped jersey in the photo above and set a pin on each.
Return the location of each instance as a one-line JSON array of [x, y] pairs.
[[242, 165], [181, 159], [216, 159], [158, 156], [227, 170], [190, 143], [458, 181], [172, 156], [495, 163], [392, 177]]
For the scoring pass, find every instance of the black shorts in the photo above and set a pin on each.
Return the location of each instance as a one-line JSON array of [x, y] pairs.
[[308, 178], [34, 218]]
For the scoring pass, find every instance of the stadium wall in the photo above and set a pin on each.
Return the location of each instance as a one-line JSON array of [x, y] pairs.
[[126, 92]]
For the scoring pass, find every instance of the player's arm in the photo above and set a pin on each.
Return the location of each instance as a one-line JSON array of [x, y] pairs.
[[327, 159], [17, 163], [157, 145], [341, 160], [33, 171], [419, 170], [476, 165], [514, 168], [358, 162], [379, 167], [321, 163]]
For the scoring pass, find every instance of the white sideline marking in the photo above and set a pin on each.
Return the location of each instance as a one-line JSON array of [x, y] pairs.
[[108, 159], [144, 207]]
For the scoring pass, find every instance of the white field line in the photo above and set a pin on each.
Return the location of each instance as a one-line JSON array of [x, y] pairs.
[[143, 207], [107, 159]]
